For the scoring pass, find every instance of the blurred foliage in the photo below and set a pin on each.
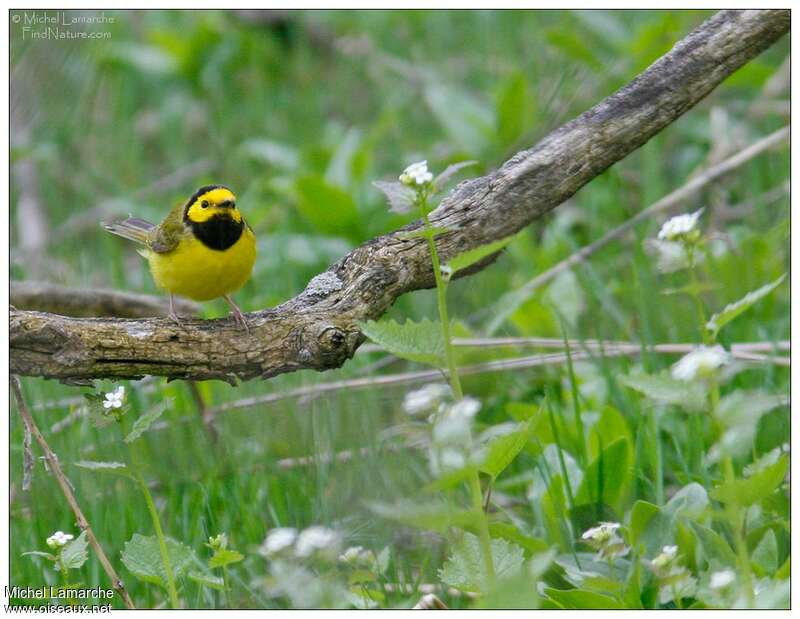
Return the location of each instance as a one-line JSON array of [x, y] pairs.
[[299, 112]]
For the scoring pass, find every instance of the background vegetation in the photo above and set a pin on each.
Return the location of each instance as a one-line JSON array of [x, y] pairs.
[[299, 113]]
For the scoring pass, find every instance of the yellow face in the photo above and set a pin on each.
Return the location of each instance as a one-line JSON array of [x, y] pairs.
[[217, 201]]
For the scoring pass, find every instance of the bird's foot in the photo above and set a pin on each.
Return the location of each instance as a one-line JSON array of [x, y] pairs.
[[237, 314]]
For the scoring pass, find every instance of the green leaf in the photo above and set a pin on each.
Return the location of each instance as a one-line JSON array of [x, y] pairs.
[[719, 320], [765, 556], [508, 532], [416, 341], [667, 390], [691, 501], [715, 548], [117, 468], [501, 451], [330, 209], [401, 198], [39, 553], [207, 580], [606, 475], [514, 113], [143, 422], [642, 513], [75, 553], [223, 557], [142, 557], [465, 568], [746, 492], [467, 119], [579, 599], [437, 516], [468, 258]]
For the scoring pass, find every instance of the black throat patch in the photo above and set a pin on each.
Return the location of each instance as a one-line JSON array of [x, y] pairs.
[[220, 232]]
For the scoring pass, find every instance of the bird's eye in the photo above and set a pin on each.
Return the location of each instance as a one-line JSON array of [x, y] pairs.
[[204, 204]]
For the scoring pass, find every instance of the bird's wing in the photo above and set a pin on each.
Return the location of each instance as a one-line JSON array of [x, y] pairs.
[[167, 235]]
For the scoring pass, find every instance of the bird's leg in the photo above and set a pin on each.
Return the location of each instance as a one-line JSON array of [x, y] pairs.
[[173, 316], [237, 313]]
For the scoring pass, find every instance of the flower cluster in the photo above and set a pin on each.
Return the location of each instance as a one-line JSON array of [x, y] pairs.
[[115, 399], [425, 400], [315, 541], [59, 539], [674, 580], [452, 435], [682, 228], [703, 362], [606, 541], [416, 175]]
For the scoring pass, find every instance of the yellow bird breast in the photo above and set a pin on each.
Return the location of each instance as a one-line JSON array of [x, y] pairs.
[[198, 272]]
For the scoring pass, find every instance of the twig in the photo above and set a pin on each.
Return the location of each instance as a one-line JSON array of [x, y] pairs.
[[667, 202], [503, 365], [47, 297], [318, 329], [66, 489]]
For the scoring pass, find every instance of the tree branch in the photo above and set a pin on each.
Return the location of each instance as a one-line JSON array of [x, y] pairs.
[[318, 328]]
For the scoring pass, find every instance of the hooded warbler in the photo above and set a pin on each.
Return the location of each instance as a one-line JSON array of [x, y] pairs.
[[202, 250]]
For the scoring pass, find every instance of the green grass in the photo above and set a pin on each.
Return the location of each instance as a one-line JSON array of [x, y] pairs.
[[299, 124]]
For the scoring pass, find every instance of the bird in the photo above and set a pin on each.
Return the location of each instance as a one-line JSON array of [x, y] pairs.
[[203, 249]]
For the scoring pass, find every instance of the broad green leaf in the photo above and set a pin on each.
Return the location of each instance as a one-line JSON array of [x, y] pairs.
[[440, 181], [142, 557], [610, 426], [468, 258], [642, 513], [207, 580], [433, 515], [719, 320], [584, 570], [746, 492], [691, 501], [278, 154], [578, 599], [330, 209], [566, 295], [465, 568], [606, 475], [400, 197], [75, 553], [143, 422], [765, 555], [714, 547], [416, 341], [223, 557], [519, 591], [508, 532], [667, 390], [746, 407], [501, 451]]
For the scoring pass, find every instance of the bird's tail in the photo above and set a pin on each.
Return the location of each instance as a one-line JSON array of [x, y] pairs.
[[132, 229]]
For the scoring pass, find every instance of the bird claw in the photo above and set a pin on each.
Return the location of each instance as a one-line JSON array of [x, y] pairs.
[[240, 320]]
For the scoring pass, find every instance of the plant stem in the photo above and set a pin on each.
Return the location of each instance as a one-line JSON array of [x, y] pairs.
[[485, 539], [732, 513], [441, 299], [162, 541]]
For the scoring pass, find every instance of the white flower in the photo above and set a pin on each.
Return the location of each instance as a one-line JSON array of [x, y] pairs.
[[670, 256], [356, 555], [720, 580], [682, 227], [315, 539], [416, 174], [465, 408], [447, 271], [277, 540], [668, 554], [58, 539], [700, 363], [425, 399], [602, 532], [115, 398]]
